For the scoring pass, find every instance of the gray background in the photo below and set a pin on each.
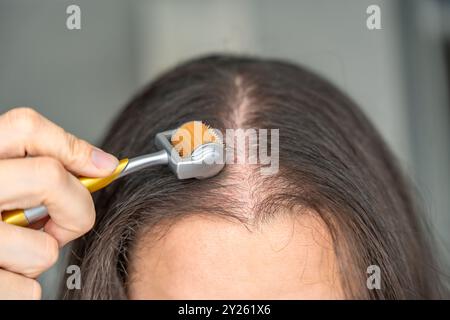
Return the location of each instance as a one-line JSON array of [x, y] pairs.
[[80, 79]]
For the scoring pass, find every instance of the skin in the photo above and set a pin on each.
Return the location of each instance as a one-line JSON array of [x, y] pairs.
[[39, 163], [208, 257]]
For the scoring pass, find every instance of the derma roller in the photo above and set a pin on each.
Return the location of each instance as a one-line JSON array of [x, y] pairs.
[[192, 151]]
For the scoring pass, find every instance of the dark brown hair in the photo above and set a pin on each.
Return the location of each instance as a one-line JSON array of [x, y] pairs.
[[332, 160]]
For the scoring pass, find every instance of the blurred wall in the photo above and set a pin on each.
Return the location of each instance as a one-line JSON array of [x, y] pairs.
[[425, 28], [77, 78]]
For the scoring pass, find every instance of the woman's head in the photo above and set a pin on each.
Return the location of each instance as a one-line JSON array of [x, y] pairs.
[[336, 204]]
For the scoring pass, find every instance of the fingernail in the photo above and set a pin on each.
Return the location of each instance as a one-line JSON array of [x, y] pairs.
[[103, 160]]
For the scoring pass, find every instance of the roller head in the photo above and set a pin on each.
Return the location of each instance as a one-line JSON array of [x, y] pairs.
[[190, 136], [195, 150]]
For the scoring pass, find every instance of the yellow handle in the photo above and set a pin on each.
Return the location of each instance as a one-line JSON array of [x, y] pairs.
[[94, 184], [18, 218]]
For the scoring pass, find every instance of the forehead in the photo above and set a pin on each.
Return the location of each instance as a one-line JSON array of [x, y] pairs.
[[208, 257]]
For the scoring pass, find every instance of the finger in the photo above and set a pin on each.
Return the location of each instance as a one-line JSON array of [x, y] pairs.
[[44, 181], [26, 132], [18, 287], [26, 251]]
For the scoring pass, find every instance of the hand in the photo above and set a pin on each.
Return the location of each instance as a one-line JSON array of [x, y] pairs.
[[38, 164]]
